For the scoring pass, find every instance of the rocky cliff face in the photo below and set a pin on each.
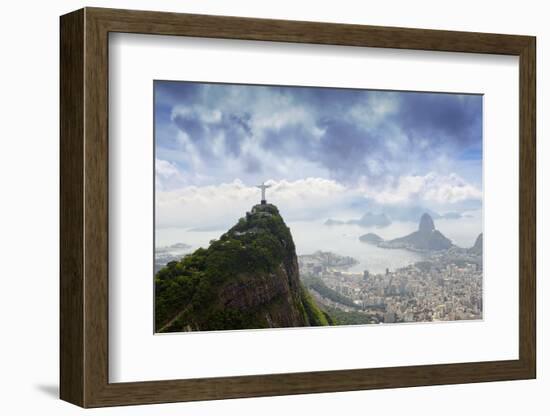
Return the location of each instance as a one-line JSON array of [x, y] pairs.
[[248, 278], [478, 245], [426, 225]]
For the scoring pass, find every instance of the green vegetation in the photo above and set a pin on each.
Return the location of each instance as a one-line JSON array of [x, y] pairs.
[[246, 279], [348, 318], [320, 287], [315, 316]]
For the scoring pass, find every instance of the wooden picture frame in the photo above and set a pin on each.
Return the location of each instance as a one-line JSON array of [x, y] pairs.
[[84, 207]]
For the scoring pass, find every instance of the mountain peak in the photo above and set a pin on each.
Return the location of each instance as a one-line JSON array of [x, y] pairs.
[[478, 245], [262, 219], [248, 278], [426, 238], [426, 224], [267, 208]]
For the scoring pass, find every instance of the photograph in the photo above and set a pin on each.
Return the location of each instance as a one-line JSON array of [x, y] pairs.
[[305, 206]]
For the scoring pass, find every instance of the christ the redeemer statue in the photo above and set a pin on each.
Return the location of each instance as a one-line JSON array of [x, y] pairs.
[[263, 187]]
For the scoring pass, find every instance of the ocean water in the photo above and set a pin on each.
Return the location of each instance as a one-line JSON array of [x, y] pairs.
[[310, 236], [344, 240]]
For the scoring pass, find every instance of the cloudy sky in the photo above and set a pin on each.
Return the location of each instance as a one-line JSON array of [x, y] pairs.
[[326, 152]]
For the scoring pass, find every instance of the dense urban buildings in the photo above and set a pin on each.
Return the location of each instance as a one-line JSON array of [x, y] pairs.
[[447, 286]]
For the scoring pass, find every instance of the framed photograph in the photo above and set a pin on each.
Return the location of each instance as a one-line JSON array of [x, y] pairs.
[[255, 207]]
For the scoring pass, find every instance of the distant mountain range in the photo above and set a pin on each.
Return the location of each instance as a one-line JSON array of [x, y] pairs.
[[367, 220], [426, 238], [388, 214]]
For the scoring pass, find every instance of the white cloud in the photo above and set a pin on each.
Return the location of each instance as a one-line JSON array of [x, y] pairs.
[[374, 109], [305, 188], [310, 198], [431, 188], [224, 204], [198, 112], [167, 175], [235, 150]]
